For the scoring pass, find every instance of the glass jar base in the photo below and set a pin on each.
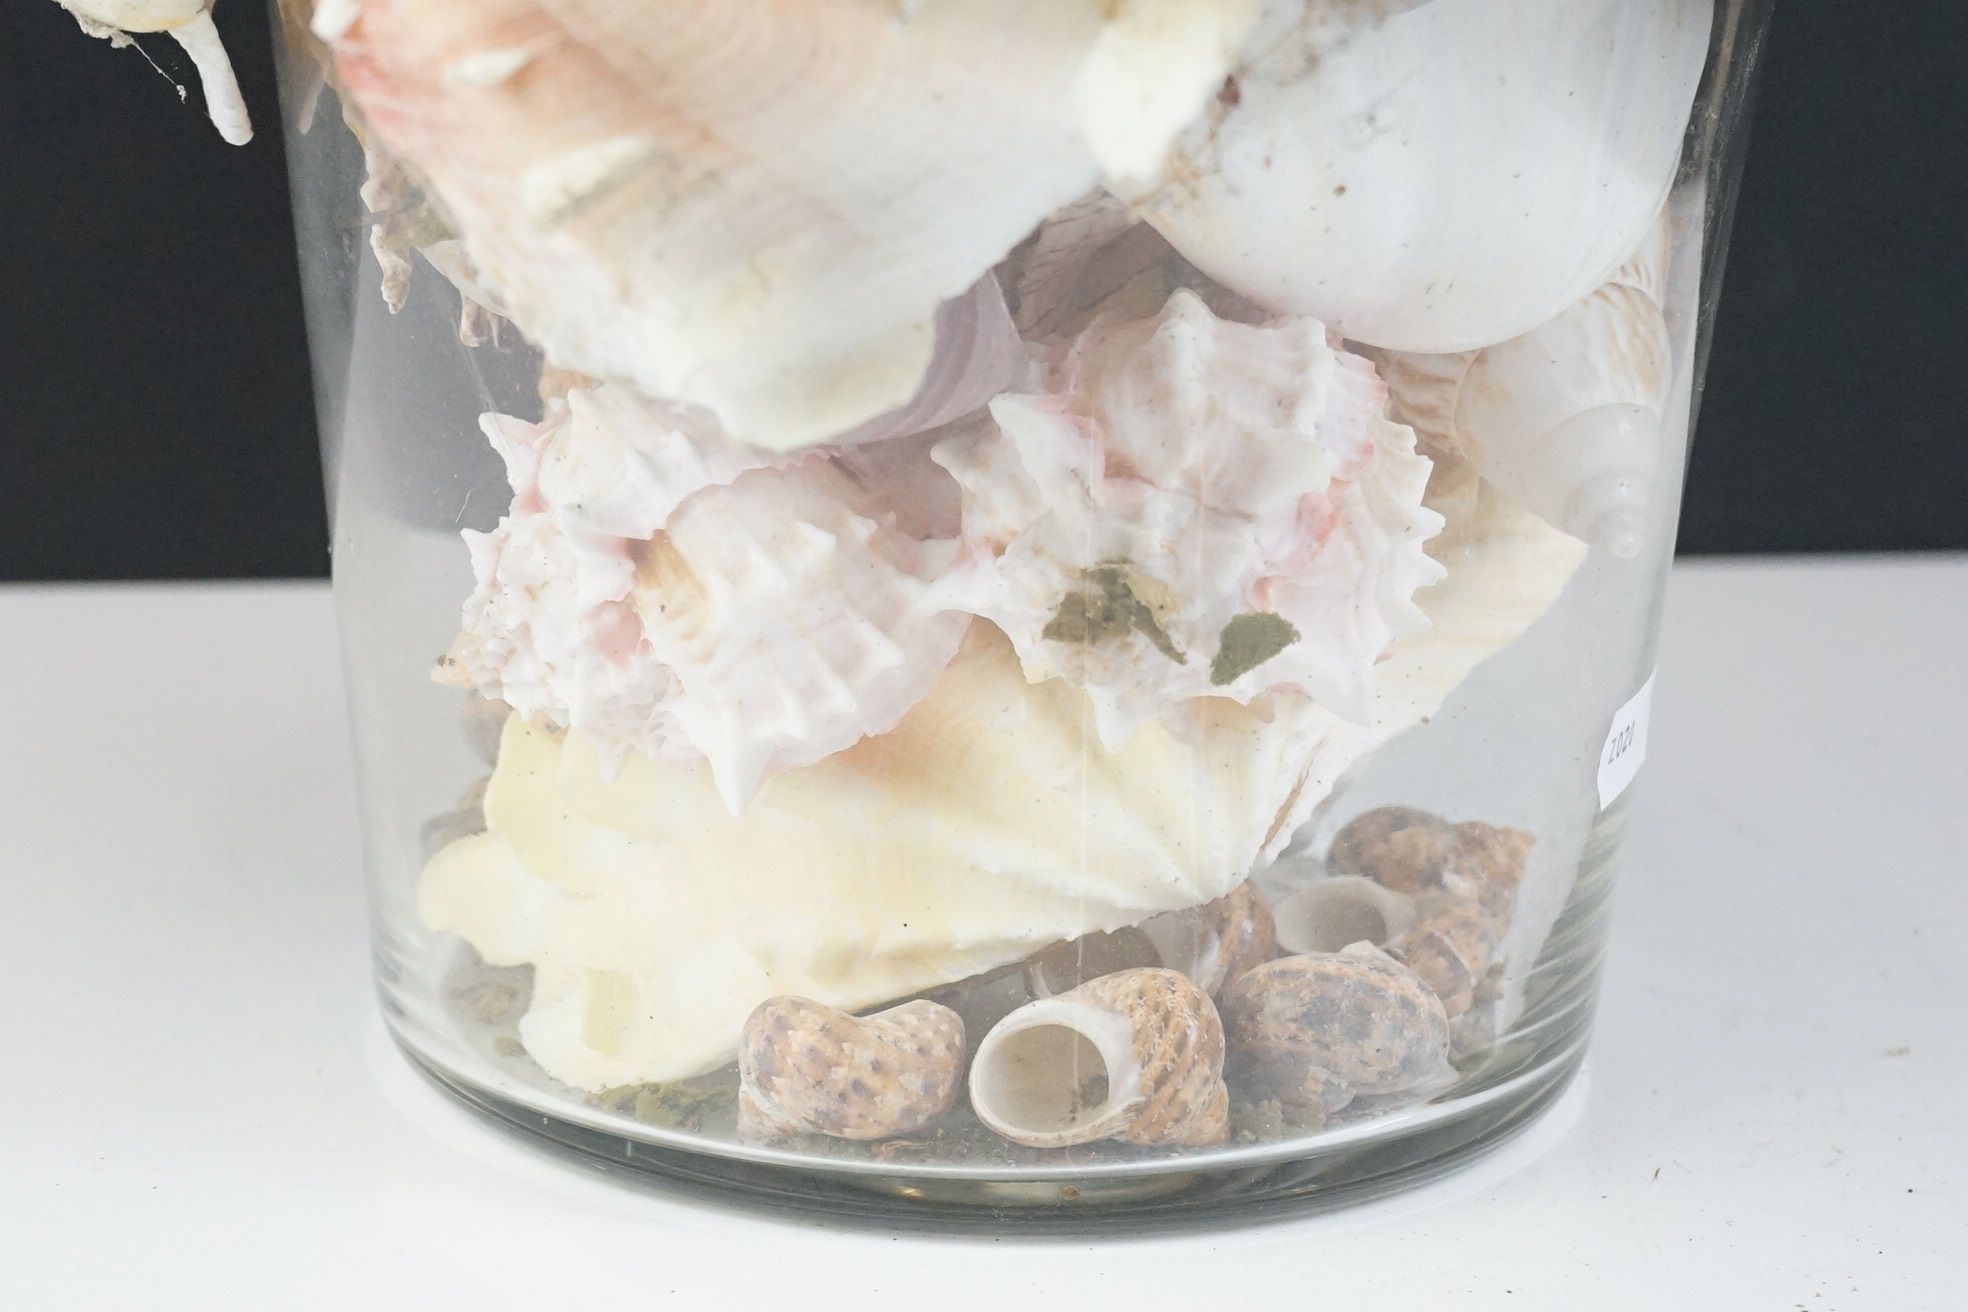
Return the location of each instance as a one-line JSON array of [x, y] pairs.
[[1239, 1184]]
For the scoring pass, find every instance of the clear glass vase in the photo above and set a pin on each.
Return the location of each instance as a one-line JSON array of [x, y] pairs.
[[1005, 603]]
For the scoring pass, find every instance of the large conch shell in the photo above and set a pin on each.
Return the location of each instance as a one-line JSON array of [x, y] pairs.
[[1136, 1055], [758, 208], [1565, 419], [984, 827], [189, 23], [1441, 178], [1202, 508], [675, 596]]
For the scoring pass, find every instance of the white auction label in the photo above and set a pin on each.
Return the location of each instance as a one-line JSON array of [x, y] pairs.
[[1626, 745]]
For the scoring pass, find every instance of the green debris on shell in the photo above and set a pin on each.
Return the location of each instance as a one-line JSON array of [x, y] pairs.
[[1248, 641], [1114, 603]]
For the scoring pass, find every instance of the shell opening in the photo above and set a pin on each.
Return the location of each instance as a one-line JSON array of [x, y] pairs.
[[1047, 1079], [1043, 1082], [1335, 913]]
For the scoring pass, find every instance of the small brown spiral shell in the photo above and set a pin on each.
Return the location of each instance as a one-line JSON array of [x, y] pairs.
[[1136, 1055], [1450, 945], [1318, 1028], [807, 1068]]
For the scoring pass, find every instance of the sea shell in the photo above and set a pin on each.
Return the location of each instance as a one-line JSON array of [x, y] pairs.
[[1440, 177], [1450, 944], [1136, 1056], [1565, 419], [1329, 914], [1201, 508], [759, 208], [615, 464], [807, 1068], [674, 595], [1401, 847], [984, 827], [1216, 943], [189, 23], [1319, 1029], [1488, 865], [1416, 853]]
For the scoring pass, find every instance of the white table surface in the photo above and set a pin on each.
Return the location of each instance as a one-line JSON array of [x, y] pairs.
[[199, 1107]]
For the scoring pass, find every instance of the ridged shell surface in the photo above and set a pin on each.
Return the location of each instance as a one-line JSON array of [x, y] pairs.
[[1200, 508], [758, 208], [1322, 1028], [1216, 943], [1136, 1055], [1451, 945], [1565, 419], [807, 1068], [676, 596]]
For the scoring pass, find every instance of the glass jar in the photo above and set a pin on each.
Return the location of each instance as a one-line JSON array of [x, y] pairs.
[[1005, 602]]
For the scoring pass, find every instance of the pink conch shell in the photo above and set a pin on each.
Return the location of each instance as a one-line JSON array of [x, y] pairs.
[[1200, 508], [758, 208], [673, 595]]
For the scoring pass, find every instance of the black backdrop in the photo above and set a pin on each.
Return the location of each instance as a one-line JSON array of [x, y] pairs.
[[155, 418]]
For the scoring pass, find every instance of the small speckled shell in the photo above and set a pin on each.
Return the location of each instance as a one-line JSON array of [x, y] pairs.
[[1320, 1028], [1488, 863], [1450, 945], [1216, 943], [1414, 851], [1161, 1043], [1399, 846], [806, 1068]]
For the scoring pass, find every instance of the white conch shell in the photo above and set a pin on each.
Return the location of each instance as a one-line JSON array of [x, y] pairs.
[[1442, 178], [673, 595], [1203, 509], [189, 23], [982, 828], [1565, 419], [758, 208]]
